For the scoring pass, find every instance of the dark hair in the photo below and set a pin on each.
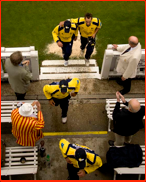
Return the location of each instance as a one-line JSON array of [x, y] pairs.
[[16, 58], [88, 15]]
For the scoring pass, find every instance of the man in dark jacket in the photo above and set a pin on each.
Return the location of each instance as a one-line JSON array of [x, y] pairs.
[[126, 121]]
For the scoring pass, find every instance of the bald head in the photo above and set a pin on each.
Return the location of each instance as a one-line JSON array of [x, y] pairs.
[[134, 105], [133, 41]]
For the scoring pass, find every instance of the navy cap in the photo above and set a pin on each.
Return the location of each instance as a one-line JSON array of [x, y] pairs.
[[67, 26], [63, 84], [80, 156]]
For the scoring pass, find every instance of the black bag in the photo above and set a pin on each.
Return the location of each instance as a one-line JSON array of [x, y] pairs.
[[127, 156], [3, 146]]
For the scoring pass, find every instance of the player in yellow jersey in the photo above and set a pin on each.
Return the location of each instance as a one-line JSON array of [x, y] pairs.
[[59, 93], [81, 160], [88, 27], [63, 36]]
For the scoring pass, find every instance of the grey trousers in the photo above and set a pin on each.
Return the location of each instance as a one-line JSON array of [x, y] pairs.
[[119, 140]]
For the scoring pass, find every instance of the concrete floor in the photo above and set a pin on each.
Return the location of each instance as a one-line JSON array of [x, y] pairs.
[[86, 113]]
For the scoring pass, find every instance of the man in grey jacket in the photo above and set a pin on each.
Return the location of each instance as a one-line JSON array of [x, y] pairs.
[[127, 65], [19, 75]]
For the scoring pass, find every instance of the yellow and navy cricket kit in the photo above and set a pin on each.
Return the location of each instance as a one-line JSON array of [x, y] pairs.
[[59, 33], [87, 31], [53, 89], [68, 150]]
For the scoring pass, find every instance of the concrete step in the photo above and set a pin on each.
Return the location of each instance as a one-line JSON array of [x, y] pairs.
[[54, 69], [70, 75], [48, 70], [70, 62]]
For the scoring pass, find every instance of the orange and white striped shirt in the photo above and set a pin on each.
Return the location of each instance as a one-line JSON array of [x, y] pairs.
[[27, 130]]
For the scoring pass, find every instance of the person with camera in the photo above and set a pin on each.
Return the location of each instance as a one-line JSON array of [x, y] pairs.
[[88, 27], [19, 75], [59, 93]]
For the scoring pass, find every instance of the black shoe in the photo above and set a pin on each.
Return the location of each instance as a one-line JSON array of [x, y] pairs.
[[111, 143]]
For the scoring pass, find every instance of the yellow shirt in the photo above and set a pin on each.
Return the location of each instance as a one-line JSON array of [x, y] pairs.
[[87, 31], [68, 151], [59, 34], [53, 90]]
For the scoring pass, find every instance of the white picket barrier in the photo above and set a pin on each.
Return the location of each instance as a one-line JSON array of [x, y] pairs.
[[27, 53], [13, 166], [110, 61]]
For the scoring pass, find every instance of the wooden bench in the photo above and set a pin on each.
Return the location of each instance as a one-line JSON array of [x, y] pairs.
[[110, 105], [8, 106], [13, 166], [135, 170]]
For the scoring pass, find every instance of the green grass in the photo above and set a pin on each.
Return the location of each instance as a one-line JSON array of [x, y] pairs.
[[29, 23]]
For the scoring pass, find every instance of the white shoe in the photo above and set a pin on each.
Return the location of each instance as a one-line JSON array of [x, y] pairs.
[[87, 62], [82, 52], [64, 120], [66, 63]]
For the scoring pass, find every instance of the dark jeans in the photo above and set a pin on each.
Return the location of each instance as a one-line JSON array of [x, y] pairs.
[[72, 172], [84, 42], [67, 50], [20, 96], [126, 84], [64, 103]]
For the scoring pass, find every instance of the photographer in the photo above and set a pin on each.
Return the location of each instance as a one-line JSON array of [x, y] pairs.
[[19, 75]]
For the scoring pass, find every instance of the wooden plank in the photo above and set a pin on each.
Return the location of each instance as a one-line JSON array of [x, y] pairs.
[[45, 70], [5, 115], [19, 154], [65, 76], [7, 107], [20, 164], [18, 158], [16, 101], [71, 62], [17, 170], [110, 101], [6, 111], [20, 150], [22, 147], [22, 49], [134, 170]]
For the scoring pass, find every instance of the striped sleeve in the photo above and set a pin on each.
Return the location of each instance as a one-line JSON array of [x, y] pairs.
[[40, 122]]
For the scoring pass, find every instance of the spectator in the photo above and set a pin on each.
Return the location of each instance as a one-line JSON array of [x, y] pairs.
[[26, 126], [127, 65], [19, 75], [126, 121]]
